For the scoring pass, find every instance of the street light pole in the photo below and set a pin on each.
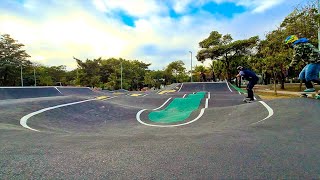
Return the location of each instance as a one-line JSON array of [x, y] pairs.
[[318, 26], [121, 73], [35, 78], [21, 75], [191, 63]]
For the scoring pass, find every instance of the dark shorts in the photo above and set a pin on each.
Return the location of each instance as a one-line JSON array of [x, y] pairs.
[[251, 84]]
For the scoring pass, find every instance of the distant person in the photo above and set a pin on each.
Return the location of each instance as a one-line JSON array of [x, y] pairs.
[[213, 77], [203, 77], [307, 53], [251, 77]]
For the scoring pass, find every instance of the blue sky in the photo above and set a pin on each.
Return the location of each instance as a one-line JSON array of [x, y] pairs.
[[153, 31]]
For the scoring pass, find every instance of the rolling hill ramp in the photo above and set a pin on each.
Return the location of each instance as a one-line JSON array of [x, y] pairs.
[[27, 92], [77, 91], [213, 87]]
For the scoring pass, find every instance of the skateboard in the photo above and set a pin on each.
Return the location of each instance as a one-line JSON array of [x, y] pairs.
[[247, 100], [308, 94]]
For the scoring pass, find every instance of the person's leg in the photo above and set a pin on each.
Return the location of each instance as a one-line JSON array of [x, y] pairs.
[[315, 73], [316, 77], [302, 76], [312, 74], [308, 84], [249, 89]]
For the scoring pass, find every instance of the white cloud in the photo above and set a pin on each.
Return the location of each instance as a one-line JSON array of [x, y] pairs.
[[260, 5], [137, 8], [257, 6], [181, 6]]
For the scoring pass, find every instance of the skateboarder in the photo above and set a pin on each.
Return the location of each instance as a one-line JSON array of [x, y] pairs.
[[203, 77], [306, 52], [251, 77]]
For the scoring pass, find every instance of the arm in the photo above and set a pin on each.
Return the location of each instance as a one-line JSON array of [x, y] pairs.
[[241, 73]]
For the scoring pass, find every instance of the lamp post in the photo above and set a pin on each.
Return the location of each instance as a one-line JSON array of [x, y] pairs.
[[21, 75], [191, 63], [318, 26], [34, 75], [121, 73]]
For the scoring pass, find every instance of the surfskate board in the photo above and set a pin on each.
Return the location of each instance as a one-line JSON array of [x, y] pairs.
[[307, 94], [247, 100]]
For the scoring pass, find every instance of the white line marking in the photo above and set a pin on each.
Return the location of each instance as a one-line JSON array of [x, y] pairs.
[[180, 87], [163, 104], [184, 95], [207, 103], [209, 95], [58, 90], [228, 86], [24, 119], [176, 125], [144, 95], [270, 110]]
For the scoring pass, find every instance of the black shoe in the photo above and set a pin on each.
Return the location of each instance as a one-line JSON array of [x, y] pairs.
[[250, 101]]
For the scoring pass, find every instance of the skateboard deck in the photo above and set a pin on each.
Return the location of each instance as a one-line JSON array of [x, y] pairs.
[[247, 100], [308, 94]]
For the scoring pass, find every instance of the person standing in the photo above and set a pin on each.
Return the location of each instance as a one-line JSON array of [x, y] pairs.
[[203, 77], [304, 51], [251, 77]]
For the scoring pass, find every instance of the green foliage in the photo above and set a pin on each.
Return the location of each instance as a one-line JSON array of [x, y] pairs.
[[213, 40], [222, 48], [12, 57], [175, 72]]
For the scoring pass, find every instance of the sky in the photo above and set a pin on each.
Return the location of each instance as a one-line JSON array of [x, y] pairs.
[[152, 31]]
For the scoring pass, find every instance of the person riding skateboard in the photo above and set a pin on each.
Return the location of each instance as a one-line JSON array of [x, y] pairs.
[[251, 77], [304, 51]]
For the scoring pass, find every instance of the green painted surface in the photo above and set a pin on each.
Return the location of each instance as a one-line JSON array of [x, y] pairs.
[[178, 110], [239, 89]]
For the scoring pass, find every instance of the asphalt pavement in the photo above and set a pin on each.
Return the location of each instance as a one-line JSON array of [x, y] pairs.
[[102, 138]]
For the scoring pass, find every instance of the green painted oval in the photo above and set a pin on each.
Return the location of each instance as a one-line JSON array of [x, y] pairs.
[[178, 110]]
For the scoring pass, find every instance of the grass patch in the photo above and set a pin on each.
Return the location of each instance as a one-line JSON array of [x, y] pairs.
[[269, 95], [294, 87]]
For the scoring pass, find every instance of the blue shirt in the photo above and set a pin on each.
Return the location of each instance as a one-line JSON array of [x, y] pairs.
[[249, 75]]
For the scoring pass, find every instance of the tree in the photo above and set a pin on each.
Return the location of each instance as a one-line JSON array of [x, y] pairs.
[[198, 70], [155, 79], [89, 72], [222, 48], [12, 57], [175, 72]]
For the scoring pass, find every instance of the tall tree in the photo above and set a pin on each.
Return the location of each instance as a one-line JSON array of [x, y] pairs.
[[12, 58], [222, 48], [175, 72], [198, 70], [89, 72]]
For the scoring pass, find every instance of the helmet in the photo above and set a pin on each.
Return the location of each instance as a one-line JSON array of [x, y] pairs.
[[290, 39], [239, 68]]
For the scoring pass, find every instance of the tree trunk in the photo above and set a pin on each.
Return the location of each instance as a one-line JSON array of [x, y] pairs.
[[283, 79], [228, 71], [300, 86], [275, 82]]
